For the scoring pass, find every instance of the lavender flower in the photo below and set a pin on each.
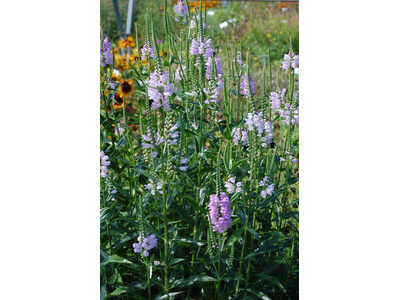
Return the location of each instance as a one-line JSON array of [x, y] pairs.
[[209, 66], [221, 218], [159, 90], [269, 187], [103, 164], [264, 129], [277, 98], [285, 114], [201, 47], [106, 57], [195, 126], [148, 243], [240, 136], [147, 51], [151, 186], [233, 187], [245, 89], [193, 22], [239, 60], [290, 60], [181, 9]]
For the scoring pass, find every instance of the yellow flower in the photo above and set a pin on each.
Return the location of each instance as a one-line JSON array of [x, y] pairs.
[[255, 58], [281, 32], [126, 43], [126, 87], [269, 35], [256, 64]]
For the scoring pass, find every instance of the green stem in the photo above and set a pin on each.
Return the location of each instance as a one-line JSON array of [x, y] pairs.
[[148, 278], [165, 228]]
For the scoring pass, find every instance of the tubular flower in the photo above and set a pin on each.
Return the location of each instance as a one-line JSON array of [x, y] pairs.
[[277, 98], [290, 60], [153, 187], [263, 128], [181, 9], [103, 164], [233, 187], [245, 89], [239, 60], [201, 47], [209, 66], [220, 212], [240, 136], [268, 187], [147, 51], [147, 243], [106, 57], [285, 113], [160, 90]]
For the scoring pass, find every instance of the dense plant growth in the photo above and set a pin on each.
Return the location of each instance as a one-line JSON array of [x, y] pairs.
[[199, 195]]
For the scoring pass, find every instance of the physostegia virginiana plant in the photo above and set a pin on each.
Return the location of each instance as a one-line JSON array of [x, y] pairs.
[[197, 206]]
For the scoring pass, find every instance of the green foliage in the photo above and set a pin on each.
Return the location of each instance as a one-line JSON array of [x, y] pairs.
[[145, 193]]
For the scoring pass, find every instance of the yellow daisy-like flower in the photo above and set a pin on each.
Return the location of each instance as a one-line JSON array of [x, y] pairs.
[[281, 32], [126, 43], [126, 87], [269, 35], [118, 97]]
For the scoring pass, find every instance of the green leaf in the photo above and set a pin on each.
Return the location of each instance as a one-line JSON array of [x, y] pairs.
[[107, 213], [188, 241], [114, 259], [272, 279], [166, 296], [254, 233], [259, 294], [148, 175], [191, 280], [261, 251], [235, 236], [118, 291], [175, 260], [183, 214]]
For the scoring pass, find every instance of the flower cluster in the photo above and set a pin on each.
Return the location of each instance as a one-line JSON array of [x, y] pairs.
[[202, 47], [220, 212], [290, 156], [104, 163], [285, 113], [239, 60], [147, 51], [240, 135], [277, 98], [264, 128], [269, 187], [106, 57], [182, 160], [159, 90], [209, 66], [233, 187], [146, 243], [181, 9], [154, 187], [290, 60], [244, 87], [193, 22], [212, 91]]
